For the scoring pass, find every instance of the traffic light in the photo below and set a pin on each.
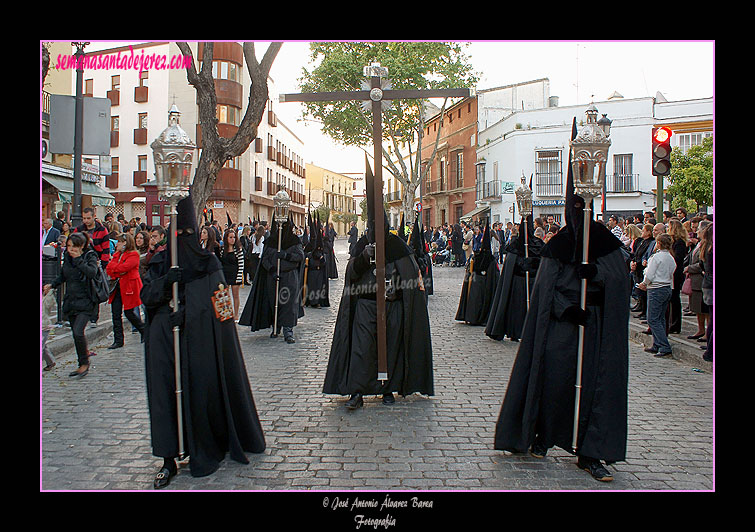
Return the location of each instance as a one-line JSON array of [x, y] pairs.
[[661, 151]]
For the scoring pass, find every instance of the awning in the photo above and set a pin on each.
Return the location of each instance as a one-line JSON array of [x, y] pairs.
[[474, 212], [99, 195]]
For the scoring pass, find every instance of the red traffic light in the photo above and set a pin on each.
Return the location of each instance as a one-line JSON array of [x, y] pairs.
[[662, 134]]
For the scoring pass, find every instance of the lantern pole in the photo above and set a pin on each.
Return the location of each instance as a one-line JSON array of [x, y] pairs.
[[173, 152], [524, 200], [589, 153], [280, 202]]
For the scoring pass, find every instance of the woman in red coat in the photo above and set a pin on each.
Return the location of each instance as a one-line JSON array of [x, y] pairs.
[[124, 298]]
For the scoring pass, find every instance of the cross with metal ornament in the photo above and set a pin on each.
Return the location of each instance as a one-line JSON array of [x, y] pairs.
[[378, 96]]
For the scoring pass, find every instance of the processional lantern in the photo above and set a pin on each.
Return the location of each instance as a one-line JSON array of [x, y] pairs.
[[173, 152], [589, 154], [281, 204]]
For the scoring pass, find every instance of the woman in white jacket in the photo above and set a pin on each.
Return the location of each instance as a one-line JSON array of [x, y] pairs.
[[659, 282]]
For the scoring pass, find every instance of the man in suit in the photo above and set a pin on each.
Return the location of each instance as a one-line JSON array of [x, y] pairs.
[[49, 233]]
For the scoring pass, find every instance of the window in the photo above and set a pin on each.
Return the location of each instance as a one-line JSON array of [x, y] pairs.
[[115, 82], [687, 140], [142, 120], [89, 87], [114, 165], [226, 70], [142, 163], [548, 173], [114, 123], [459, 169], [144, 78], [621, 180]]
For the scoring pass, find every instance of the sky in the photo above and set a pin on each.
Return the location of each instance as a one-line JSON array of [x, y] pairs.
[[579, 72]]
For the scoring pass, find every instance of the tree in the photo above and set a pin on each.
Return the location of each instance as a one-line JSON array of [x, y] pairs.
[[691, 178], [216, 150], [411, 65]]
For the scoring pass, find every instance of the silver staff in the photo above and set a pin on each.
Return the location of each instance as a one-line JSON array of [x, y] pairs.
[[281, 203], [523, 195], [173, 152], [589, 153]]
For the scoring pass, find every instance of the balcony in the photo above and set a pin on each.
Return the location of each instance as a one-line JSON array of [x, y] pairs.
[[491, 190], [114, 138], [272, 119], [141, 94], [140, 176], [111, 181], [392, 196], [114, 96], [271, 153], [258, 183], [258, 145], [228, 184], [622, 183], [140, 136]]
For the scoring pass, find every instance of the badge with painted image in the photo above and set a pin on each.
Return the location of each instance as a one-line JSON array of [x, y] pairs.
[[222, 302]]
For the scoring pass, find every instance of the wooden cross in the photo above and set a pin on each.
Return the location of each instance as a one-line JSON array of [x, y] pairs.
[[378, 96]]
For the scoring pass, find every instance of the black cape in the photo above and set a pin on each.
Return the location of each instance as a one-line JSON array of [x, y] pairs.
[[540, 394], [352, 366], [479, 286], [259, 309], [218, 407], [509, 306], [330, 256]]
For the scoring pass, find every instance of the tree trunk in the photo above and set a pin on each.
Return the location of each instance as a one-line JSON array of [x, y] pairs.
[[216, 150]]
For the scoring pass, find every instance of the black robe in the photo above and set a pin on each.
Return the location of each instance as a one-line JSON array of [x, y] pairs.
[[540, 394], [509, 306], [352, 366], [315, 286], [331, 267], [478, 289], [259, 309], [218, 407]]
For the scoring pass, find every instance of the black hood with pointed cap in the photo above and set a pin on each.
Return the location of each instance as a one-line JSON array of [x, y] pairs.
[[534, 244], [484, 255], [566, 245], [194, 260], [395, 247], [288, 237]]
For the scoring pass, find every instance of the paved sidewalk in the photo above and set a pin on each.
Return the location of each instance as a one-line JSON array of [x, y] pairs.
[[96, 436]]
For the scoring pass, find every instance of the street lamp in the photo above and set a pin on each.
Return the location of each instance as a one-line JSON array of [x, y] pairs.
[[281, 205], [589, 153], [173, 152], [523, 195]]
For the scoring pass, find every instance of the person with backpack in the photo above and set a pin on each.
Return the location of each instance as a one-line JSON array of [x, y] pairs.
[[81, 265]]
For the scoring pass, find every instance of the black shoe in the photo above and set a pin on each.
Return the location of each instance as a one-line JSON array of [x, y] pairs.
[[708, 358], [163, 477], [388, 399], [116, 345], [538, 450], [663, 355], [595, 468], [651, 350], [355, 401], [78, 373], [290, 339]]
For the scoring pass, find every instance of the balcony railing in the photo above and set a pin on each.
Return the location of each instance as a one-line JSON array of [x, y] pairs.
[[618, 183]]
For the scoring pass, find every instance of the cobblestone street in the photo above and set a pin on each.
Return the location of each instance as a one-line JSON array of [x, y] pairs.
[[95, 432]]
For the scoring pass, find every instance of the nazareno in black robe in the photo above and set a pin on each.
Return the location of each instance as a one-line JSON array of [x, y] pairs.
[[330, 254], [424, 261], [478, 288], [218, 407], [540, 395], [315, 286], [509, 306], [352, 366], [259, 309]]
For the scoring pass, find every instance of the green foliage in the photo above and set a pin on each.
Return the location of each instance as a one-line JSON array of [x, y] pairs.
[[691, 178], [411, 65]]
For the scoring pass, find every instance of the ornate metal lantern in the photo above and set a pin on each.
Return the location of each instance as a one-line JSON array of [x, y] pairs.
[[281, 204], [524, 198], [173, 152], [589, 153]]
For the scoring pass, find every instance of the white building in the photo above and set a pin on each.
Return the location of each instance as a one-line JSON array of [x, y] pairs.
[[535, 143]]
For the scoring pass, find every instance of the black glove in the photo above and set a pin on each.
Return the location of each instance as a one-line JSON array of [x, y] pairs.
[[587, 271], [174, 275], [531, 264], [177, 318], [281, 255], [576, 315], [276, 277], [369, 251]]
